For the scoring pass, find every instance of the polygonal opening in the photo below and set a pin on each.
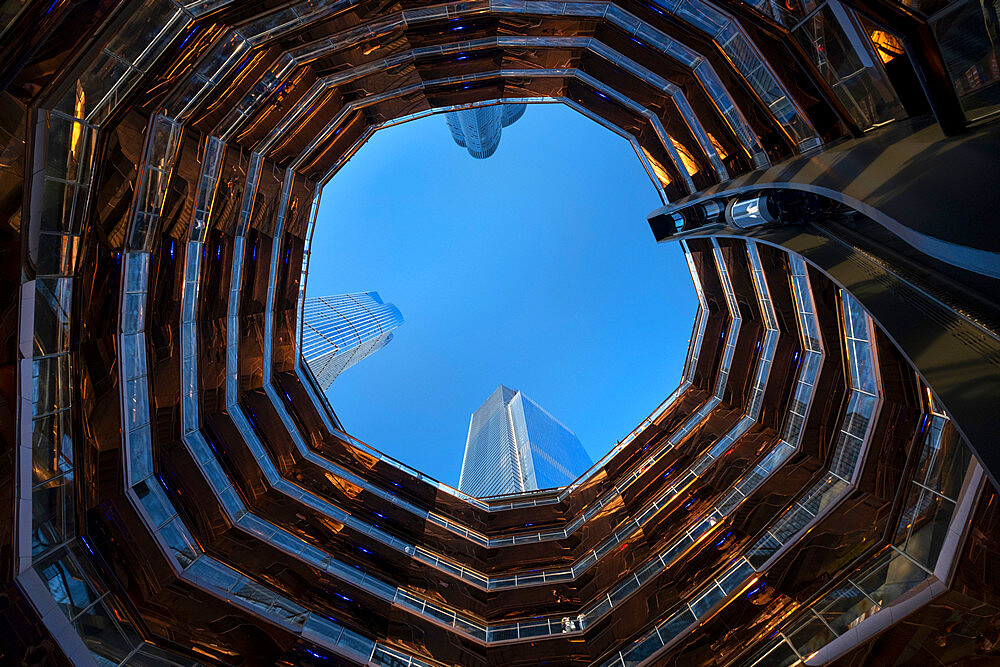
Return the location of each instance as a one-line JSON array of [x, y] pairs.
[[530, 269]]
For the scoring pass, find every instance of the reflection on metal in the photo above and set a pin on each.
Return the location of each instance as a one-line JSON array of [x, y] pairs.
[[751, 212], [887, 45], [168, 434]]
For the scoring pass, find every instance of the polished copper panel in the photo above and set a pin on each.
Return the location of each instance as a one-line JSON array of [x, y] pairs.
[[311, 496]]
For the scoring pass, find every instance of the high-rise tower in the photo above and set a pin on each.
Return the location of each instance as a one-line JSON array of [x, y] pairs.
[[820, 488], [339, 331], [514, 445], [478, 130]]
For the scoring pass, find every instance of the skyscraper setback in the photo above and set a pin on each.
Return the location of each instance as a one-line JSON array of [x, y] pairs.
[[514, 445], [821, 487], [478, 129], [339, 331]]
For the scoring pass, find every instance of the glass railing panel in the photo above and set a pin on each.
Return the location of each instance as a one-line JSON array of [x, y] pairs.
[[780, 655], [857, 329], [967, 36], [833, 39], [917, 543], [751, 65], [706, 600]]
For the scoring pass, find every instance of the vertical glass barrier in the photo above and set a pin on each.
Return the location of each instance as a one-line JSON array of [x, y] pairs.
[[740, 575], [154, 177], [748, 61], [150, 27], [945, 464], [149, 493], [626, 21], [64, 138], [862, 405], [67, 145], [236, 281], [91, 609], [835, 42], [933, 494], [967, 34]]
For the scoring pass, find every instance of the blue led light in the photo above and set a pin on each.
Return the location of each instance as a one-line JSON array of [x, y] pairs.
[[189, 36]]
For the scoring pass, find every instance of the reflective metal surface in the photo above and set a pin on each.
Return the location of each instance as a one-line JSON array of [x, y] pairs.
[[182, 493]]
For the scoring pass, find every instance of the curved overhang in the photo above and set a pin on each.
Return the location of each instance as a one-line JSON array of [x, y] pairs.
[[151, 340]]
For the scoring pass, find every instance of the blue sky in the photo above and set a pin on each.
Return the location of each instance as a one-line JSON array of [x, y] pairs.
[[534, 268]]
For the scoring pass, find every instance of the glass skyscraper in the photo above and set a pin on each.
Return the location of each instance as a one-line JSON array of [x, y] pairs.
[[339, 331], [478, 130], [514, 445], [820, 488]]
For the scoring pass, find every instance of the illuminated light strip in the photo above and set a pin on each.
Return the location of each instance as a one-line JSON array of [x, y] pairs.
[[481, 539], [262, 529], [188, 561], [585, 43], [918, 592], [629, 23], [319, 88], [858, 333]]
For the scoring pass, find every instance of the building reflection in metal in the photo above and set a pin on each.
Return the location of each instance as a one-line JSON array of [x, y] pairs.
[[182, 492]]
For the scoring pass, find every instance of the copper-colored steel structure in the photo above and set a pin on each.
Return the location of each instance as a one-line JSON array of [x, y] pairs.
[[820, 488]]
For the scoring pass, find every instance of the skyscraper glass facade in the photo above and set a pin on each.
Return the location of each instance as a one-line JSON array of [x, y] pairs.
[[478, 129], [339, 331], [820, 488], [514, 445]]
